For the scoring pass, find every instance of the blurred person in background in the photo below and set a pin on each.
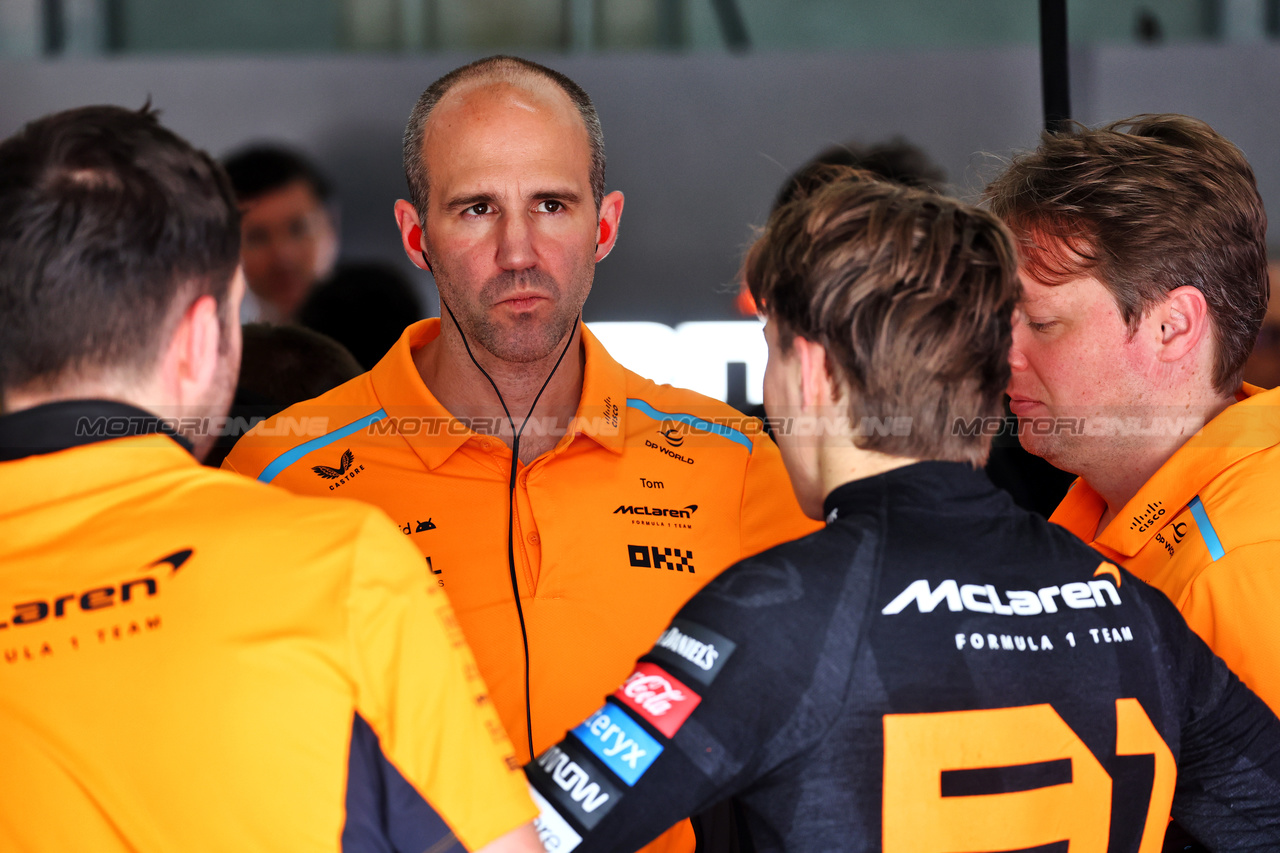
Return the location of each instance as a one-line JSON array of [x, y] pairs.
[[365, 307], [289, 228], [280, 366], [194, 661], [567, 505], [1263, 367], [895, 160]]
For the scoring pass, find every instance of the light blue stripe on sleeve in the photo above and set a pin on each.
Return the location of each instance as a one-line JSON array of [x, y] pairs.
[[699, 423], [1206, 529], [289, 457]]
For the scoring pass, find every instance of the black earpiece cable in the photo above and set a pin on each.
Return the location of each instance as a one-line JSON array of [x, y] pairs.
[[511, 522]]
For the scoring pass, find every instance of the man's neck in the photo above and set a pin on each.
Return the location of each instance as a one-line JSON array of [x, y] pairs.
[[460, 386], [1129, 468], [19, 399], [841, 465]]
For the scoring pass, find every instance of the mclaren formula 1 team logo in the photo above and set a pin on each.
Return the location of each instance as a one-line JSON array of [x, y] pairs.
[[657, 516], [60, 606], [347, 468], [123, 600]]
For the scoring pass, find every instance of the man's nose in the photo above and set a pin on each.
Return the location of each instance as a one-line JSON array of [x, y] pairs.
[[515, 243], [1017, 358]]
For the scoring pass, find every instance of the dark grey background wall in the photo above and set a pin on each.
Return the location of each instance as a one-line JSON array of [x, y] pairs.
[[698, 144]]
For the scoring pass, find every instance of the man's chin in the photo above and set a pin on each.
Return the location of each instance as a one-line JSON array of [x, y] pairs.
[[525, 339], [1059, 451]]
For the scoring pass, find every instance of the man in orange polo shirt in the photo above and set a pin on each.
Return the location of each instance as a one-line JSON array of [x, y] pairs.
[[567, 505], [193, 661], [1145, 274]]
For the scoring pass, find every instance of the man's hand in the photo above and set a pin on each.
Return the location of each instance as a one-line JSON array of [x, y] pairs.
[[522, 839]]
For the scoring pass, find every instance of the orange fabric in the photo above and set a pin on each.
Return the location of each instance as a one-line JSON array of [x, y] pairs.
[[1215, 559], [591, 596], [187, 650]]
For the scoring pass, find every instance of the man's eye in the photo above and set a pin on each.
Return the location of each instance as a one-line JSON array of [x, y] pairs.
[[479, 209], [550, 206], [1042, 327]]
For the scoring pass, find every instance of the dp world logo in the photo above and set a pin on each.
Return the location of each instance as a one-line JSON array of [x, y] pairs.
[[674, 434]]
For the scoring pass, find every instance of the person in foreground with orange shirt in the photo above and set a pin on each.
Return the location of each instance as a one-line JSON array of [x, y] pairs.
[[193, 661], [1144, 264], [567, 505]]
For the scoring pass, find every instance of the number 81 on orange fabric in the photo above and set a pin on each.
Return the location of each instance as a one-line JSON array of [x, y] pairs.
[[920, 817]]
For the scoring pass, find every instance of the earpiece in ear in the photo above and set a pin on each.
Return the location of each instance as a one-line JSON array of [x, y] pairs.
[[604, 233], [415, 237]]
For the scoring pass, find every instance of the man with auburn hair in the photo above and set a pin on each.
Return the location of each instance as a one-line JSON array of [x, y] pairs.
[[937, 670], [194, 661], [1144, 269], [567, 505]]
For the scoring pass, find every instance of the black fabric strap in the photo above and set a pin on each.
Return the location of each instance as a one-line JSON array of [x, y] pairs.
[[73, 423]]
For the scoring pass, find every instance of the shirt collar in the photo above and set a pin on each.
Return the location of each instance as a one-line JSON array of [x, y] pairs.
[[929, 483], [602, 411], [1080, 510], [52, 427], [403, 395], [1241, 430]]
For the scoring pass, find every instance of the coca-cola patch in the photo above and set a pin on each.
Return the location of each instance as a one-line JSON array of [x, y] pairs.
[[659, 697]]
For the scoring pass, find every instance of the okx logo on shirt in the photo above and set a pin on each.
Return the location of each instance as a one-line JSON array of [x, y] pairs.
[[618, 741]]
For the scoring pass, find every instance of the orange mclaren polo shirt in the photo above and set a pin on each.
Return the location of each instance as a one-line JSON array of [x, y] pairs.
[[1205, 529], [648, 496], [193, 661]]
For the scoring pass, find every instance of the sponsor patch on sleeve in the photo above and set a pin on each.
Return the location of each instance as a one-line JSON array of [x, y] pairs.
[[574, 783], [555, 833], [620, 742], [693, 649], [661, 699]]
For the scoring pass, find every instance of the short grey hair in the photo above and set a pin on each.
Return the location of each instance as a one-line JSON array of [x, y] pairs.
[[503, 68]]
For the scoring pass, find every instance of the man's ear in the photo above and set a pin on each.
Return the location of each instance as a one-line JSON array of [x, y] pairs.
[[607, 224], [190, 364], [411, 234], [1182, 322], [817, 391]]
